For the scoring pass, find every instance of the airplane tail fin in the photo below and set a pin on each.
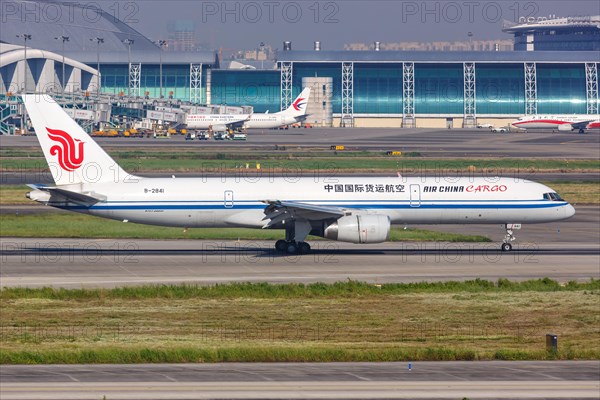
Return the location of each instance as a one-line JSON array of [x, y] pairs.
[[72, 156], [299, 105]]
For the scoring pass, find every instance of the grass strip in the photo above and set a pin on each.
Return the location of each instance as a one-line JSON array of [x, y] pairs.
[[295, 165], [72, 225], [346, 321], [143, 355], [265, 290]]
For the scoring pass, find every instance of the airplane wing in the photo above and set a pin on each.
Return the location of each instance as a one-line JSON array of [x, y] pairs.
[[240, 123], [301, 118], [278, 211], [581, 125]]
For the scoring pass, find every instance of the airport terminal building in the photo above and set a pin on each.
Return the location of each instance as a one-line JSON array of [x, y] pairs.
[[351, 88]]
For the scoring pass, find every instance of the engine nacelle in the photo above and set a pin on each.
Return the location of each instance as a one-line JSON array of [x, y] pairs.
[[38, 195], [359, 229], [565, 127]]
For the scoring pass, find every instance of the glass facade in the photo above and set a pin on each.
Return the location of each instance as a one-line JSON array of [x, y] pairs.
[[500, 89], [377, 88], [260, 89], [439, 89], [570, 39], [114, 78], [176, 79], [561, 89]]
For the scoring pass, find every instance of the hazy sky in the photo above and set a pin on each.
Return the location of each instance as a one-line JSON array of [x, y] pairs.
[[244, 24]]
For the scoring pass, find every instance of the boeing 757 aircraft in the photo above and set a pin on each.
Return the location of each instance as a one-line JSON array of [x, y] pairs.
[[354, 209]]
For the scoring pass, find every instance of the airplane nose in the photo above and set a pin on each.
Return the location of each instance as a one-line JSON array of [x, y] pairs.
[[569, 211]]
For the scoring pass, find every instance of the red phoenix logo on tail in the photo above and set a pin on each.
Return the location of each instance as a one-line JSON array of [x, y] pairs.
[[298, 103], [69, 157]]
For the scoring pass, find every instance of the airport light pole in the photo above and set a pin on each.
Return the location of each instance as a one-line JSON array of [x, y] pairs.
[[262, 62], [98, 41], [64, 39], [26, 37], [129, 42], [161, 43]]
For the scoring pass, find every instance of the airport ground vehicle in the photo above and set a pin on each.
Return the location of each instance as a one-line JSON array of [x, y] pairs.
[[500, 130]]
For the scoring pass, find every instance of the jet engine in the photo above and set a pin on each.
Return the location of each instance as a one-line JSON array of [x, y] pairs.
[[359, 229], [565, 127]]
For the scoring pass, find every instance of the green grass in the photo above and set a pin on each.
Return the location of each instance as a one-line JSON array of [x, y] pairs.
[[264, 290], [295, 163], [346, 321], [72, 225]]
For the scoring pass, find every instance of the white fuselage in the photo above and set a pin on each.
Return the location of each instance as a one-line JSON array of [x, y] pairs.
[[552, 121], [200, 121], [239, 201], [268, 121]]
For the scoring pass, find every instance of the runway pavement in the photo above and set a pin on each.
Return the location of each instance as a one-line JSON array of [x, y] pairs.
[[440, 380], [75, 263], [429, 142]]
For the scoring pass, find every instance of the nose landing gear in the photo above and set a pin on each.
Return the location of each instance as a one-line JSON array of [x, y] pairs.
[[509, 237]]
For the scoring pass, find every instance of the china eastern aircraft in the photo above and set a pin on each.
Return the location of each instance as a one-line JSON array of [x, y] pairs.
[[352, 209], [216, 122], [562, 123], [295, 113]]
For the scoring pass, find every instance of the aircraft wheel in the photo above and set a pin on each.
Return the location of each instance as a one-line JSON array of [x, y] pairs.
[[292, 248], [506, 247], [304, 248], [281, 245]]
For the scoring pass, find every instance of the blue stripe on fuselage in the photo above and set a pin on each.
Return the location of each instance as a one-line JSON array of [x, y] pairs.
[[405, 205]]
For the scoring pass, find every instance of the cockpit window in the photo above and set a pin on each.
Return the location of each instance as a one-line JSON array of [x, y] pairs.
[[552, 197]]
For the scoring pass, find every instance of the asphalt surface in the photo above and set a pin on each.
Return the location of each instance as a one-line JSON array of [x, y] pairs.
[[461, 143], [567, 250], [441, 380], [76, 263]]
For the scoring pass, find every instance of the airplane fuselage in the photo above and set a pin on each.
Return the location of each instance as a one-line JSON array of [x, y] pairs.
[[560, 122], [240, 202], [268, 121], [199, 121]]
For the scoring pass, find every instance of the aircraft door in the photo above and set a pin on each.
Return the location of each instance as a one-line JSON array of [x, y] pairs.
[[415, 195], [228, 199]]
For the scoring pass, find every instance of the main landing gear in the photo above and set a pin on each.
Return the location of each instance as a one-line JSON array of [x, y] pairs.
[[294, 238], [292, 247], [509, 237]]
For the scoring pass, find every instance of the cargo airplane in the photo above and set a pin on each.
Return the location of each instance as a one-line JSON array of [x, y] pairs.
[[352, 209], [561, 123]]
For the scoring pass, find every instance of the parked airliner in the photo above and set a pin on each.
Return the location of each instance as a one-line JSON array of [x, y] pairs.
[[216, 122], [295, 113], [563, 123], [352, 209]]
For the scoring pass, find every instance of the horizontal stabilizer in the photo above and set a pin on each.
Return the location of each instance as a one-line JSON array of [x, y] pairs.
[[88, 198]]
